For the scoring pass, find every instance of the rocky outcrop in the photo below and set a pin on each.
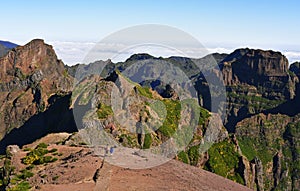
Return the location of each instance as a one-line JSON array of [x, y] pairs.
[[252, 66], [269, 142], [30, 75], [259, 180], [256, 80], [267, 71], [295, 68]]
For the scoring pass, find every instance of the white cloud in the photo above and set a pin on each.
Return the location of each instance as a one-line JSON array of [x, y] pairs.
[[76, 52], [220, 50], [292, 56], [72, 52]]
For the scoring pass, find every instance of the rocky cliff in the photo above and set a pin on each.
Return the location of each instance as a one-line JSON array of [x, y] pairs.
[[29, 76], [272, 139], [255, 80]]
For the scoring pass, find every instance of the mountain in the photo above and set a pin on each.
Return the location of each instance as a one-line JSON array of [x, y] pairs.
[[34, 87], [255, 80], [259, 85], [8, 44], [5, 46], [258, 145], [3, 50]]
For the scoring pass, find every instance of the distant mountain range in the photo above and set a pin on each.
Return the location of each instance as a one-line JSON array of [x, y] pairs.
[[5, 46], [8, 44], [258, 146]]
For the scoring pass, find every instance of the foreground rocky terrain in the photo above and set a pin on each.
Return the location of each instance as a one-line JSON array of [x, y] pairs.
[[258, 145], [79, 168]]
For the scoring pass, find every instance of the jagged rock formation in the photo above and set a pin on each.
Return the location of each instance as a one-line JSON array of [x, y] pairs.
[[295, 68], [254, 67], [255, 80], [272, 139], [30, 75]]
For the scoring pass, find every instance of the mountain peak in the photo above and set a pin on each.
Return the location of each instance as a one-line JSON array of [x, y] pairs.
[[140, 56], [261, 62]]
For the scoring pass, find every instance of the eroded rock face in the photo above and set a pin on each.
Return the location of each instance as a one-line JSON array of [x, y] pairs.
[[29, 75], [295, 68], [256, 80], [269, 142], [249, 65], [265, 70]]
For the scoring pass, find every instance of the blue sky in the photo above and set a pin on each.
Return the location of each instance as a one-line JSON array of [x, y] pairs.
[[267, 24]]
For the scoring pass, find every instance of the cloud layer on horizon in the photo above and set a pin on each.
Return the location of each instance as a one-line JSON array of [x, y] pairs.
[[75, 52]]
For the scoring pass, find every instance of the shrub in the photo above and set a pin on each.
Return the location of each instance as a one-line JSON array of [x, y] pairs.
[[183, 156], [193, 154], [37, 157], [22, 186], [55, 177], [147, 141], [144, 91], [171, 121], [42, 145], [25, 174], [53, 150], [224, 160], [104, 111]]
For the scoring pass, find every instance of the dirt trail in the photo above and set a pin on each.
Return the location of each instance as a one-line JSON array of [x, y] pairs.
[[81, 169]]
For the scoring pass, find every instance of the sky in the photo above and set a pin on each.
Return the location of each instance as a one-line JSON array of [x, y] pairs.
[[73, 27]]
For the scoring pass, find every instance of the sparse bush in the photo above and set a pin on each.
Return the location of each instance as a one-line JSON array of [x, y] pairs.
[[103, 111], [144, 91], [147, 141], [193, 154], [53, 150], [170, 124], [183, 156], [37, 157], [25, 174], [55, 177], [42, 145], [22, 186]]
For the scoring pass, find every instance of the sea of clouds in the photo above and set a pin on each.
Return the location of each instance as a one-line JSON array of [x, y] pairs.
[[75, 52]]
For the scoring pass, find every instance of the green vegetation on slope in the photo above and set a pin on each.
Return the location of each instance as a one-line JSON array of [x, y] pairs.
[[37, 156], [103, 111], [147, 141], [171, 121], [292, 135], [144, 91], [22, 186], [256, 102], [184, 157], [252, 147], [224, 160], [17, 181]]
